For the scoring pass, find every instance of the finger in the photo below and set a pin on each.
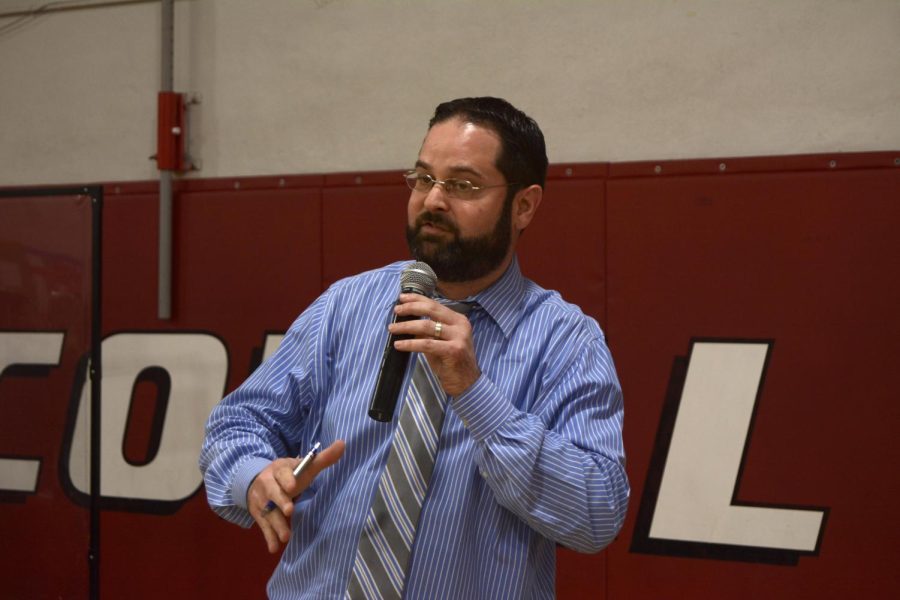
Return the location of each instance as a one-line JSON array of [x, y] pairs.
[[275, 530], [280, 487], [422, 328], [280, 525], [406, 298], [272, 524], [423, 345], [284, 477], [417, 305]]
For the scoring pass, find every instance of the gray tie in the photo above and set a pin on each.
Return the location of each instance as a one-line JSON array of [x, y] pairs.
[[382, 558]]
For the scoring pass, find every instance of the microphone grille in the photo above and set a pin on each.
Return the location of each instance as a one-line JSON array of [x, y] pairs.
[[418, 277]]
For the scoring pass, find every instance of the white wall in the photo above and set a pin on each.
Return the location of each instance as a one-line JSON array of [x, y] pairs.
[[298, 86]]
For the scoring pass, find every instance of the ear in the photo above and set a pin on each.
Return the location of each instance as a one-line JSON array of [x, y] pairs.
[[525, 205]]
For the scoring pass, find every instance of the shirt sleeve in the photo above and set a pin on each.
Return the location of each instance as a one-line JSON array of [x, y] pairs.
[[561, 466], [265, 417]]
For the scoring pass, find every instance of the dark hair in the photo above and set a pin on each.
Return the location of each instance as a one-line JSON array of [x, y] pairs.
[[523, 155]]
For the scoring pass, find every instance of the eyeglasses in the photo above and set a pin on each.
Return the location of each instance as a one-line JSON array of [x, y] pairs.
[[461, 189]]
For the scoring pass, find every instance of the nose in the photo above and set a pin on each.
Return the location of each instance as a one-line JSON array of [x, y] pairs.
[[436, 198]]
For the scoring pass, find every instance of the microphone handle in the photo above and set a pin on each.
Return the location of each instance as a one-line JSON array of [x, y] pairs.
[[390, 376]]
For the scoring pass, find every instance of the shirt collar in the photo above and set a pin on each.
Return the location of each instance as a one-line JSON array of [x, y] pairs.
[[502, 300]]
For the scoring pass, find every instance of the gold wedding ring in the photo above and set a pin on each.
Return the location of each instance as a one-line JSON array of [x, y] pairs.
[[438, 326]]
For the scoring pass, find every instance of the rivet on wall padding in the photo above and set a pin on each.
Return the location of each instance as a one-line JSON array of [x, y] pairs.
[[237, 185], [722, 166], [281, 182], [657, 169], [358, 180], [832, 164], [568, 171]]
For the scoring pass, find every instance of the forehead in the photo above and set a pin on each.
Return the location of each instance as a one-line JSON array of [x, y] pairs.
[[456, 147]]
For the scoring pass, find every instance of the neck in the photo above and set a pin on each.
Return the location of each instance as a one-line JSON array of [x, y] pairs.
[[460, 290]]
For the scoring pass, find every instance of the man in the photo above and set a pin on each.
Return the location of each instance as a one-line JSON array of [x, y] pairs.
[[530, 451]]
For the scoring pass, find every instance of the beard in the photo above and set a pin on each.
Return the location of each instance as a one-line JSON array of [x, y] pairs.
[[460, 259]]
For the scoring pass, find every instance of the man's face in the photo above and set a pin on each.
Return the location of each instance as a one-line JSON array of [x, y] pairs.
[[462, 240]]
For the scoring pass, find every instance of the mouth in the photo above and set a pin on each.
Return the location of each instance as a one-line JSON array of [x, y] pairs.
[[432, 225], [429, 228]]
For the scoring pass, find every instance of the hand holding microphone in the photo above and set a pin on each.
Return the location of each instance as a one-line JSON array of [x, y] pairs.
[[445, 338], [417, 278]]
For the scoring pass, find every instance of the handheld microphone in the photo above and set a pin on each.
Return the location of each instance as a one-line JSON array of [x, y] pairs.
[[417, 278]]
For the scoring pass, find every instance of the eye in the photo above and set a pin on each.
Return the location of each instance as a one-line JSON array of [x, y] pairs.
[[421, 182], [459, 186]]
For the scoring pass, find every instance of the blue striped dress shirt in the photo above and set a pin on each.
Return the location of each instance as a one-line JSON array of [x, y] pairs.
[[530, 455]]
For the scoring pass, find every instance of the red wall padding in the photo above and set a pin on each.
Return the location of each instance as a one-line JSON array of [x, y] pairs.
[[808, 260], [801, 252]]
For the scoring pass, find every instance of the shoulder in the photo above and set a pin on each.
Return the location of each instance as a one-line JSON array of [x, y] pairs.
[[369, 285], [351, 297], [573, 346], [547, 310]]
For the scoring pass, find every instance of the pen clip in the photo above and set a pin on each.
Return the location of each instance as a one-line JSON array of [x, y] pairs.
[[307, 459]]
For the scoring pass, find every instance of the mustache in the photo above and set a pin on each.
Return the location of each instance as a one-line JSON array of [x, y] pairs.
[[436, 219]]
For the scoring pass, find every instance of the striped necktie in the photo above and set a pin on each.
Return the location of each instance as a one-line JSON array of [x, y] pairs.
[[380, 567]]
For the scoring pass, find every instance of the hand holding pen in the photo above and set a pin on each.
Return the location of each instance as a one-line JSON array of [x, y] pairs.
[[270, 496], [301, 466]]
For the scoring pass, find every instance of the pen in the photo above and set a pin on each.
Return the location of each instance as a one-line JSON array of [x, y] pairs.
[[304, 462]]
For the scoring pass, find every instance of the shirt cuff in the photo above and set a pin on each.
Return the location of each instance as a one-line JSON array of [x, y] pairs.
[[244, 476], [482, 408]]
